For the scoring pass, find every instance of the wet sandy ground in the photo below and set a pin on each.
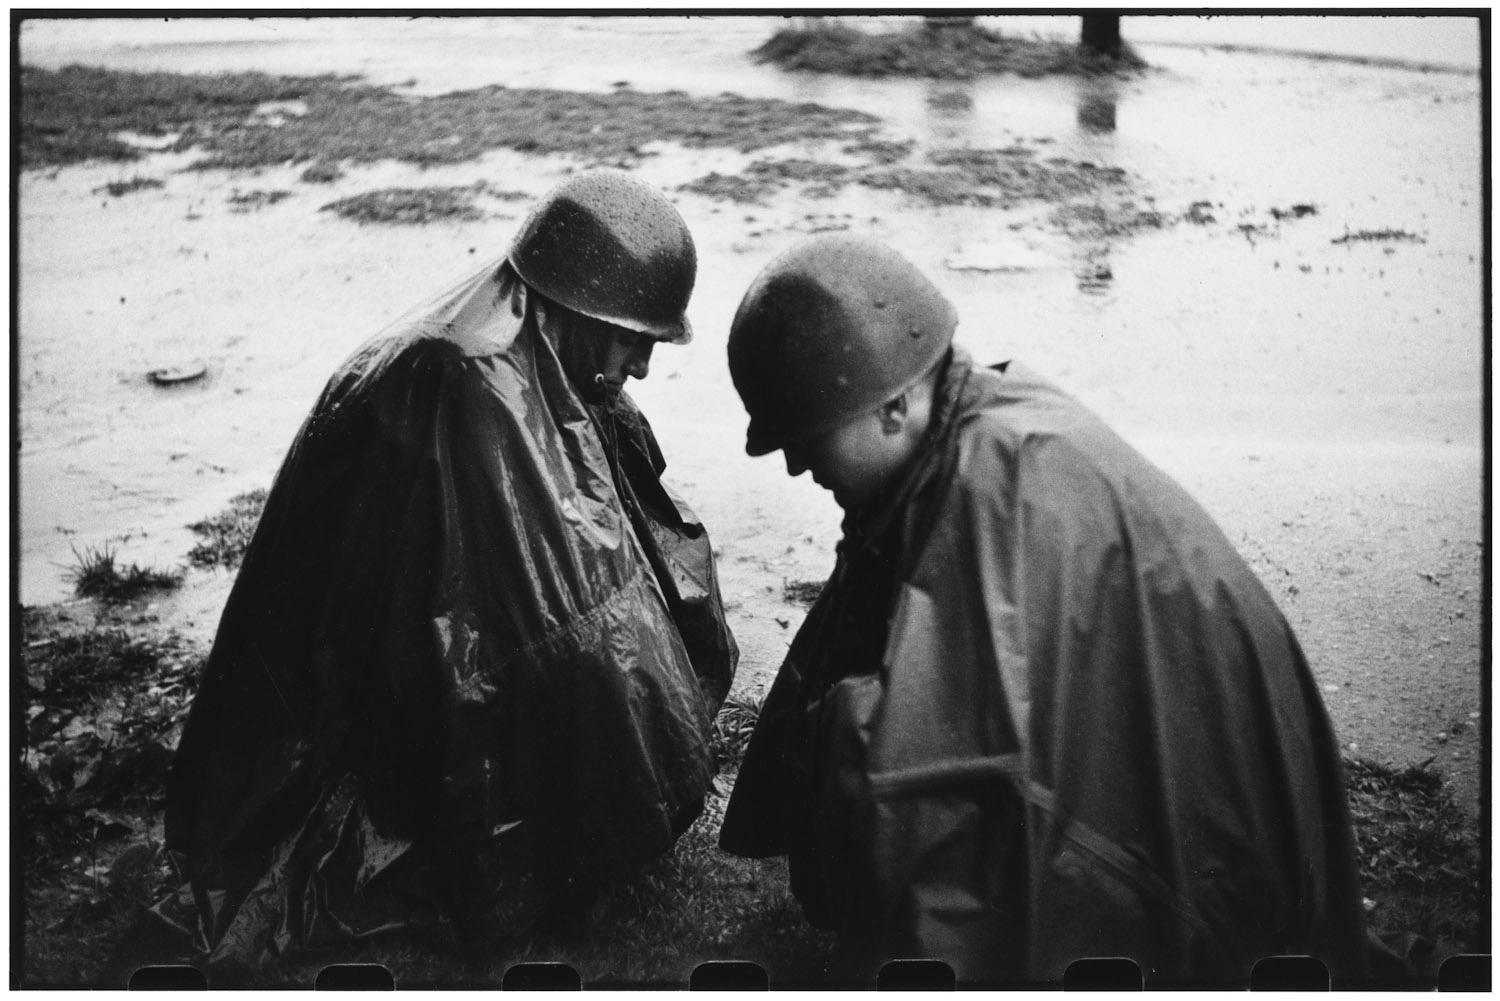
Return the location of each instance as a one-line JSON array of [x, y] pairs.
[[1323, 399]]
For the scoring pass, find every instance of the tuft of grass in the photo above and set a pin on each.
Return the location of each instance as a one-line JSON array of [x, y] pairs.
[[225, 536], [409, 206], [322, 172], [137, 183], [1378, 236], [1419, 854], [955, 51], [732, 727], [250, 201], [96, 575], [801, 592]]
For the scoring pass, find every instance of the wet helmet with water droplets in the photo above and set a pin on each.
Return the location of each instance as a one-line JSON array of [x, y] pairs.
[[609, 246], [833, 326]]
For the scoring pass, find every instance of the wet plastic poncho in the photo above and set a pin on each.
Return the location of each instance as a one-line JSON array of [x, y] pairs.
[[1042, 711], [470, 661]]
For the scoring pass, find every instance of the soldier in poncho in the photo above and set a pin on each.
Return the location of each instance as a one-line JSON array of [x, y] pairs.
[[1042, 710], [468, 668]]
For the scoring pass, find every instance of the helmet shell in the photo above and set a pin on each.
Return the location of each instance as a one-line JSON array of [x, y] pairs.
[[833, 326], [609, 246]]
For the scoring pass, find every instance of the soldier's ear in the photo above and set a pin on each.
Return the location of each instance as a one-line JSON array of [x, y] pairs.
[[893, 415]]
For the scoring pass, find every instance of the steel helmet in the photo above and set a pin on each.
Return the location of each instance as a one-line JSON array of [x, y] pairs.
[[834, 325], [609, 246]]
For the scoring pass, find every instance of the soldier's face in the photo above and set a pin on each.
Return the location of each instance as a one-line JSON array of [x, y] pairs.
[[600, 356], [855, 459], [628, 356]]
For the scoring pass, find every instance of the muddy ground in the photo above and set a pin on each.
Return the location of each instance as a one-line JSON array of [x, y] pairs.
[[1264, 271]]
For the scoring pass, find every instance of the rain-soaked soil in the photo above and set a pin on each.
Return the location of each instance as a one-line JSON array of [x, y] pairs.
[[1263, 270]]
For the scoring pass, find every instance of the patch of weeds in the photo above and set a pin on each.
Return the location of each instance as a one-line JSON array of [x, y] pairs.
[[949, 100], [322, 172], [104, 712], [72, 114], [409, 206], [802, 592], [732, 727], [738, 188], [96, 575], [251, 201], [226, 535], [1419, 854], [1378, 236], [137, 183], [881, 151], [764, 177], [957, 50], [1294, 212], [1200, 213]]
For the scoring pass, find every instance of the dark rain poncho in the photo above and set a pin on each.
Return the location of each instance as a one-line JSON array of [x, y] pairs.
[[1042, 711], [470, 660]]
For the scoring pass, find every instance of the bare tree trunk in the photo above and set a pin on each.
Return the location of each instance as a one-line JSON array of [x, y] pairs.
[[1101, 34]]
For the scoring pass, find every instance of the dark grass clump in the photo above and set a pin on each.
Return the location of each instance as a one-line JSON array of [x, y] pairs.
[[763, 178], [96, 575], [322, 172], [732, 727], [951, 51], [226, 535], [103, 713], [409, 206], [1378, 236], [802, 592], [251, 201], [115, 189], [72, 114], [1419, 854]]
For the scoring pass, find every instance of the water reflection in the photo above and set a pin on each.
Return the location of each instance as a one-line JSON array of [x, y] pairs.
[[950, 112], [1097, 98]]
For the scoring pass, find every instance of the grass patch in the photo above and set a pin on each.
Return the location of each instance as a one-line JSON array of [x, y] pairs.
[[948, 51], [137, 183], [103, 713], [1419, 854], [71, 115], [984, 178], [763, 178], [225, 537], [251, 201], [801, 592], [732, 727], [1378, 236], [96, 575], [322, 173], [410, 206]]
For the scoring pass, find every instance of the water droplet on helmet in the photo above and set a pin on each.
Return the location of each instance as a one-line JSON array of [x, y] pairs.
[[915, 332]]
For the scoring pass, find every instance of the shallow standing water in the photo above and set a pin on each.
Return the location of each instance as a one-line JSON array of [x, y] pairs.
[[1323, 399]]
